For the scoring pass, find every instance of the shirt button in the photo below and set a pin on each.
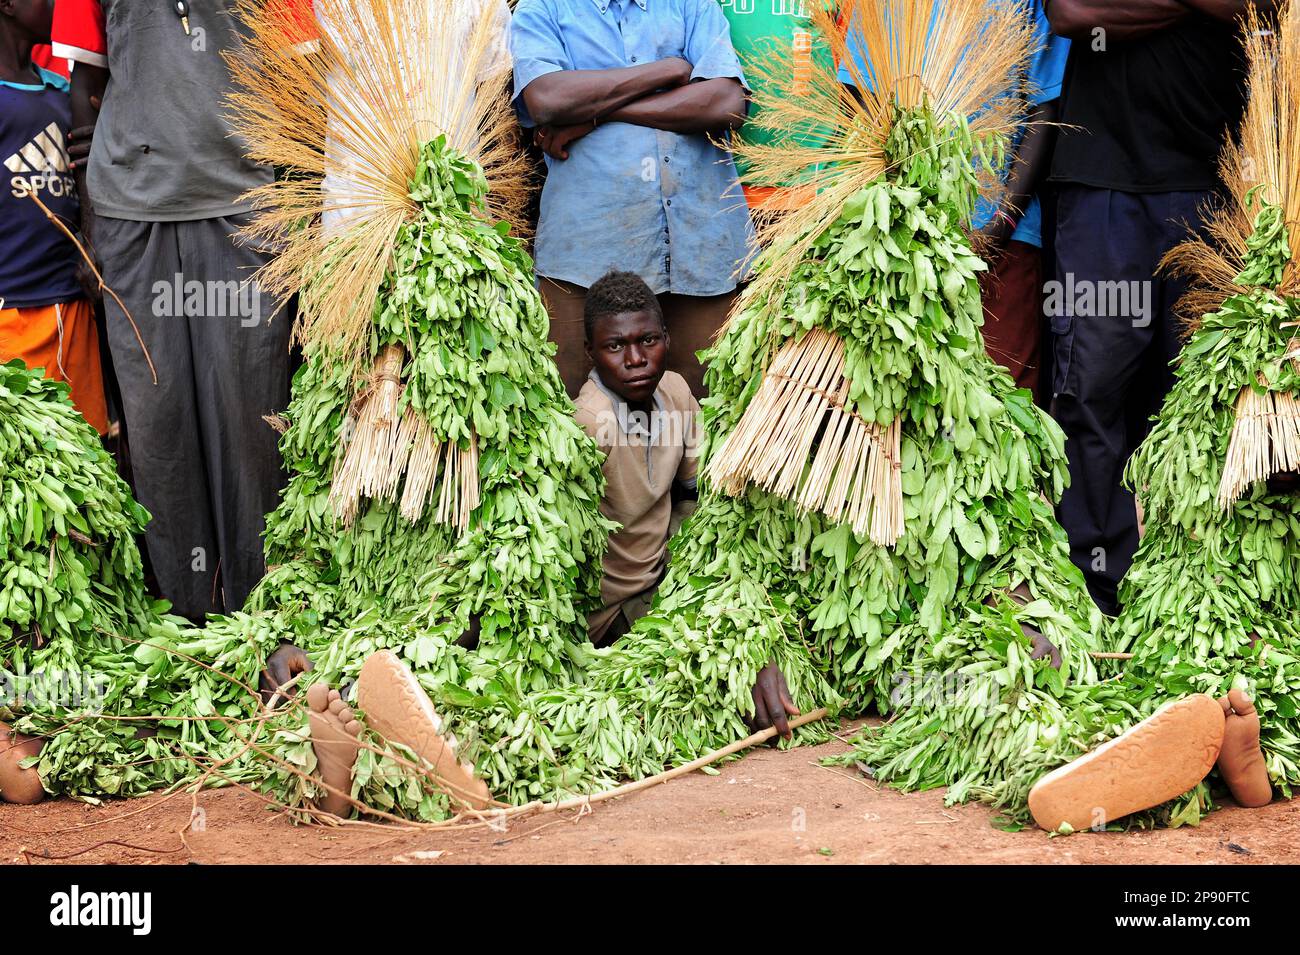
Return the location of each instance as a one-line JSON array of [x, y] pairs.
[[667, 159], [634, 59], [669, 202]]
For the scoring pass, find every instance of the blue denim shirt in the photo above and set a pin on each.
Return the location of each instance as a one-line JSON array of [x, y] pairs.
[[664, 205]]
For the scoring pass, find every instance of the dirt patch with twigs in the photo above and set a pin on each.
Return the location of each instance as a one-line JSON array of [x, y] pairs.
[[769, 807]]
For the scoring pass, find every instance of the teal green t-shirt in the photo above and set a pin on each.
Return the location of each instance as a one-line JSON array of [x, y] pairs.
[[756, 27]]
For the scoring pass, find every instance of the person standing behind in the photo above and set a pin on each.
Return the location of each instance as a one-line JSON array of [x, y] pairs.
[[1012, 231], [166, 179], [1012, 288], [1151, 89], [45, 319], [623, 96], [757, 27]]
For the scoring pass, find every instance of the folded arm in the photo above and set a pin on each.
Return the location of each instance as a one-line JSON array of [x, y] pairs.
[[571, 97], [705, 106], [1077, 19]]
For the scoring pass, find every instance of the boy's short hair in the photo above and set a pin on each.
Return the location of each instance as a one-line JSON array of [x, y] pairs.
[[615, 293]]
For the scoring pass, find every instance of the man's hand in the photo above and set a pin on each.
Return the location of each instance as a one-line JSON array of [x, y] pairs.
[[1041, 646], [555, 140], [79, 140], [282, 666], [772, 703], [679, 71]]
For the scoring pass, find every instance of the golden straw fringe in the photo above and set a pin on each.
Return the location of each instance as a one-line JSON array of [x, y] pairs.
[[405, 64], [384, 445], [1267, 153], [1265, 441], [971, 63], [798, 440]]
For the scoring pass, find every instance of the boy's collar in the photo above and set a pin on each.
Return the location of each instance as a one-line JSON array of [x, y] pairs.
[[623, 413], [48, 78]]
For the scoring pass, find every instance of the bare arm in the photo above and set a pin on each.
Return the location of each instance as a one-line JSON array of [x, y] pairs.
[[1124, 20], [569, 97], [706, 106], [1027, 170], [1034, 154], [87, 91]]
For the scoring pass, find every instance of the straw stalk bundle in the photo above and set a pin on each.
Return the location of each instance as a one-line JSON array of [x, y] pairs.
[[801, 437], [800, 413]]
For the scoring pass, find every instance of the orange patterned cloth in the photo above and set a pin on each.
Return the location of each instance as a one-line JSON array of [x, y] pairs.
[[33, 334]]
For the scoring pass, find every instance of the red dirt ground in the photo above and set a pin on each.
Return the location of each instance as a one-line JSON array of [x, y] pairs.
[[770, 807]]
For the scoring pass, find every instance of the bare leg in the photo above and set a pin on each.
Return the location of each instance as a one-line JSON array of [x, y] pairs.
[[17, 785], [1241, 761]]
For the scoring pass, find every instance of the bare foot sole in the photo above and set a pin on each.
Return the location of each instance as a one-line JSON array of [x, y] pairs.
[[17, 785], [1162, 757], [334, 732], [1241, 761], [398, 709]]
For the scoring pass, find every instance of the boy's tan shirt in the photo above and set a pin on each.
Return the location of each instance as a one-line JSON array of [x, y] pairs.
[[642, 459]]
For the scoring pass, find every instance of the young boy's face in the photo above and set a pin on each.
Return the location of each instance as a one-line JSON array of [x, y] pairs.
[[629, 351], [32, 17]]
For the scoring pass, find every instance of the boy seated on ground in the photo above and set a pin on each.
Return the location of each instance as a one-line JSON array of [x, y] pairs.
[[646, 421]]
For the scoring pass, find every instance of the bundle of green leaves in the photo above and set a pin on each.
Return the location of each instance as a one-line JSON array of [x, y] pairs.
[[928, 629], [1213, 596], [460, 300], [1211, 600], [66, 544], [86, 657], [753, 579]]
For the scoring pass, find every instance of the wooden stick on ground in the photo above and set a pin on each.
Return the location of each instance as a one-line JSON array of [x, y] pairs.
[[762, 736], [474, 818]]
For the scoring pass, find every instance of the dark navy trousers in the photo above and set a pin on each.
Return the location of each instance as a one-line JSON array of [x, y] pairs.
[[1115, 334]]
